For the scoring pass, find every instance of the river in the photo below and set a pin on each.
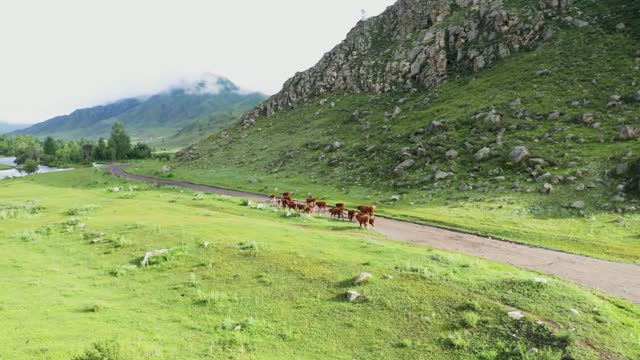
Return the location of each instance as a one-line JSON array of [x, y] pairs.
[[16, 173]]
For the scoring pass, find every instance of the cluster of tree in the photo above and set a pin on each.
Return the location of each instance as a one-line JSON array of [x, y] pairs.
[[59, 152]]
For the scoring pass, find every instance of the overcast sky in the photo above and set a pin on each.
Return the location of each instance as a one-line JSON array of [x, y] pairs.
[[56, 56]]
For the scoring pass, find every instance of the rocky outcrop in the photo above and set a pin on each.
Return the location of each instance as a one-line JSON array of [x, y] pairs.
[[413, 44]]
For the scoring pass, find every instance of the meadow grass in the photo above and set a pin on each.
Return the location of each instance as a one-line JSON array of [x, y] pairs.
[[5, 167], [266, 286]]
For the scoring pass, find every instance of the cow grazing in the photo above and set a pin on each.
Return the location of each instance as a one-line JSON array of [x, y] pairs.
[[340, 205], [286, 194], [365, 220], [308, 210], [311, 201], [367, 209], [301, 207]]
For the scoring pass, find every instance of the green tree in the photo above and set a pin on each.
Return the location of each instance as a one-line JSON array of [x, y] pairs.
[[50, 146], [102, 151], [30, 166], [119, 142], [140, 151]]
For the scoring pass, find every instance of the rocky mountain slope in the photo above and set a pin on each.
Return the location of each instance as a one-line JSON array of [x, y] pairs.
[[416, 43], [166, 118], [548, 132], [8, 127]]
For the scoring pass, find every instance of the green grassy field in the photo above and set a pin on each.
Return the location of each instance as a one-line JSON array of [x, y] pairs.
[[5, 167], [267, 286]]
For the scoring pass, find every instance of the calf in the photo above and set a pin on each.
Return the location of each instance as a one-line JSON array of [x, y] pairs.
[[352, 214], [272, 198], [340, 205], [308, 210], [311, 201]]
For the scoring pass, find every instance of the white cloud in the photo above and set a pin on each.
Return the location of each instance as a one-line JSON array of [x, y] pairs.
[[56, 56]]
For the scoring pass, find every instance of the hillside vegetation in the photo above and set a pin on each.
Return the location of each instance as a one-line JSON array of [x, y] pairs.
[[265, 285], [536, 148]]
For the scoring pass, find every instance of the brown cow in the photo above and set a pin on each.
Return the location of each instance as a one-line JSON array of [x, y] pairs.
[[340, 205], [352, 214], [365, 220], [301, 206], [272, 198], [311, 201], [337, 212], [322, 205], [367, 209], [308, 210], [286, 194]]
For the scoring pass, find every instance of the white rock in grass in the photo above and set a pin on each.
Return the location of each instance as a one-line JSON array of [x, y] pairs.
[[365, 276], [149, 254], [353, 295], [540, 280], [517, 315], [260, 206], [205, 244], [576, 312]]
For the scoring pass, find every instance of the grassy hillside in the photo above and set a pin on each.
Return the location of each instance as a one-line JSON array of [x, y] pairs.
[[172, 118], [353, 147], [267, 285]]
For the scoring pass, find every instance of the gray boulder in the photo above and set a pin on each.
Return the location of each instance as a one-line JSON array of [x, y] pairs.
[[441, 175], [578, 205], [519, 154], [404, 166], [452, 154], [482, 154]]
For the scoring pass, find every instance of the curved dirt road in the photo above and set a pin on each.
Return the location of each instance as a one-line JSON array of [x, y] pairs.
[[617, 279]]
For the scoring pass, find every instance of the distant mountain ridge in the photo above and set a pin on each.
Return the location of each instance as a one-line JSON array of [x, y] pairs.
[[163, 118], [6, 127]]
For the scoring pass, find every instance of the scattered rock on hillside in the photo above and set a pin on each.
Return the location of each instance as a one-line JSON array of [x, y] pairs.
[[516, 315], [578, 205], [621, 27], [586, 118], [629, 132], [365, 276], [337, 145], [452, 154], [635, 97], [482, 154], [441, 175], [435, 126], [554, 115], [404, 166], [165, 169], [519, 154], [618, 199], [395, 198], [544, 72], [547, 188], [353, 295]]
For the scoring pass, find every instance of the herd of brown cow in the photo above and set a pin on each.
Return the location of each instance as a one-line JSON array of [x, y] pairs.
[[365, 215]]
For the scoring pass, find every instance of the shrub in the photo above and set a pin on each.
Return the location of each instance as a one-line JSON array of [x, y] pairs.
[[123, 242], [82, 210], [107, 350], [456, 341], [470, 320]]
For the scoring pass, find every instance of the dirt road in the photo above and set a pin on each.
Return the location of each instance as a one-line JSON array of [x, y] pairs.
[[614, 278]]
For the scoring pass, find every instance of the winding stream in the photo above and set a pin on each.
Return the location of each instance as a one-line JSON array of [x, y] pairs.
[[17, 173]]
